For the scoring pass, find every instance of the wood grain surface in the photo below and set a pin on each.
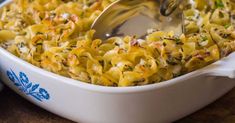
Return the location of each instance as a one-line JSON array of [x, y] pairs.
[[15, 109]]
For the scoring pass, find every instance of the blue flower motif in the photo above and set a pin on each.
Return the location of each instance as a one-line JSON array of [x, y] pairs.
[[10, 76], [24, 85], [23, 78], [44, 93]]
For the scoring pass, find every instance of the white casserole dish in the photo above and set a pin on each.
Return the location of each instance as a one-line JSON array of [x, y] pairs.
[[159, 103]]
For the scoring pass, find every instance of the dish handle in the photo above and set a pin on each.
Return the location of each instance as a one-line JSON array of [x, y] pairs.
[[223, 68]]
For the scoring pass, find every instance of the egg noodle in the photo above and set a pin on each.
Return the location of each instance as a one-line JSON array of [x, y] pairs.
[[55, 35]]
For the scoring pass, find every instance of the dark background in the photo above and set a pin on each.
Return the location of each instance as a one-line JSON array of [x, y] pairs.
[[15, 109]]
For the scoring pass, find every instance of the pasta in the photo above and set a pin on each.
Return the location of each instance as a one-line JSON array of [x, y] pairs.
[[55, 35]]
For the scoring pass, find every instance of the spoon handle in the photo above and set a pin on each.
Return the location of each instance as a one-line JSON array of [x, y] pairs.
[[168, 6]]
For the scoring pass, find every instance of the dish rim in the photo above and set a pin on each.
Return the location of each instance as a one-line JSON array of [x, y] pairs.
[[99, 88]]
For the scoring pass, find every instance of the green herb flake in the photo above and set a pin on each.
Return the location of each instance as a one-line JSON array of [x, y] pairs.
[[178, 41], [227, 26], [204, 38], [219, 4]]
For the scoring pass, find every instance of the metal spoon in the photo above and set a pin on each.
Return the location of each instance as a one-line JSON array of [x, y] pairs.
[[135, 17]]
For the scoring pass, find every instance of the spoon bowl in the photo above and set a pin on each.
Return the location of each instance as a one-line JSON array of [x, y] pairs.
[[135, 17]]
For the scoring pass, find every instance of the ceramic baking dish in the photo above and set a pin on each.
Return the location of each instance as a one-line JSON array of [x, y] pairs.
[[85, 103], [162, 102]]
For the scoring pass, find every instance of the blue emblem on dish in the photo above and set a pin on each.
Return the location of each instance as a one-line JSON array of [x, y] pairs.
[[22, 82]]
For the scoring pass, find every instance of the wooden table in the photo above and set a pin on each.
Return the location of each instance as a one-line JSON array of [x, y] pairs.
[[14, 109]]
